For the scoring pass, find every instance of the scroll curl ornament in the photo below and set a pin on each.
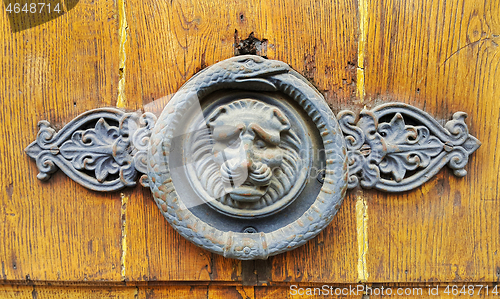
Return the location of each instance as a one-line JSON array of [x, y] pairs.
[[103, 157], [394, 156], [267, 116]]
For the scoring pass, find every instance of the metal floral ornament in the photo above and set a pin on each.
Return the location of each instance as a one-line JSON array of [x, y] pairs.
[[247, 160]]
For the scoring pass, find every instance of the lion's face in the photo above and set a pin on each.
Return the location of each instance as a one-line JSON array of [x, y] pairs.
[[254, 155], [247, 150]]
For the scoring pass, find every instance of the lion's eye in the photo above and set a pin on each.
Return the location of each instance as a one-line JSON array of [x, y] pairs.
[[260, 144]]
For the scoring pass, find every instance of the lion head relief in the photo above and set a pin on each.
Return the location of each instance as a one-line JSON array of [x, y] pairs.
[[246, 154]]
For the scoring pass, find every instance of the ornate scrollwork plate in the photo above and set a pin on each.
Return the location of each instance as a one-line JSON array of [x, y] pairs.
[[247, 160]]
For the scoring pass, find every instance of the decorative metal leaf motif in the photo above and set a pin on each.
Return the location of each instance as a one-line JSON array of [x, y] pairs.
[[395, 149], [408, 147], [104, 150], [91, 149]]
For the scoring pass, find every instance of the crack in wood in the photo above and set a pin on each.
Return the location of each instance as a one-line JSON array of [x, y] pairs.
[[121, 101]]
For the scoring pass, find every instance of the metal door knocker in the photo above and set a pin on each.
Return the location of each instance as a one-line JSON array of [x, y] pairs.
[[247, 160]]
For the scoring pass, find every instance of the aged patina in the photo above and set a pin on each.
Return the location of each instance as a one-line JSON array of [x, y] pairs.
[[247, 160]]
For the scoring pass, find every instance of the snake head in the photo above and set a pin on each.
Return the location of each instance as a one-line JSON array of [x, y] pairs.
[[252, 69]]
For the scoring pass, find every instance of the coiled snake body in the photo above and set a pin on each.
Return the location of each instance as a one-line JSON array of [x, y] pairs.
[[257, 74]]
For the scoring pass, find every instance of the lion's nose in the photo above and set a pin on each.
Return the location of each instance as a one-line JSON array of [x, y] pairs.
[[249, 154]]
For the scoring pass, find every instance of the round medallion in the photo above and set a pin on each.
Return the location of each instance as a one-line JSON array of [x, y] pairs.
[[247, 160], [249, 156]]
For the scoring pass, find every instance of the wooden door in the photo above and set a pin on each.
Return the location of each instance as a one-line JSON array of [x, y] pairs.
[[60, 240]]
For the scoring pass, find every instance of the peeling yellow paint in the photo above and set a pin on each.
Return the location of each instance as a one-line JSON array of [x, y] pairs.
[[120, 103], [362, 234], [360, 72], [124, 200]]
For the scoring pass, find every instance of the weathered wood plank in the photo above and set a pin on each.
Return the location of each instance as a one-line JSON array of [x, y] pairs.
[[443, 290], [442, 57], [167, 43], [231, 292], [437, 55], [299, 291], [56, 230], [264, 292], [173, 292], [69, 292]]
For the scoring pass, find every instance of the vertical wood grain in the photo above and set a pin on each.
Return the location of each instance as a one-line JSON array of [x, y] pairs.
[[67, 292], [442, 57], [224, 291], [172, 292], [56, 230], [438, 55], [168, 43], [309, 292], [231, 292]]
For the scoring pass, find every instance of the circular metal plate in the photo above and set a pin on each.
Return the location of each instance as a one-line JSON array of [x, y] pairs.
[[237, 158], [273, 191]]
